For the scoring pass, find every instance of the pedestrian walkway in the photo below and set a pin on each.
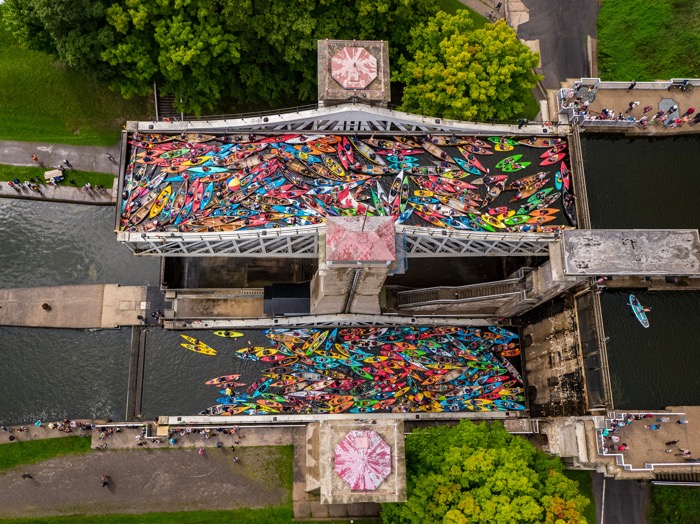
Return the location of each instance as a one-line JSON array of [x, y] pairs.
[[69, 194], [82, 158]]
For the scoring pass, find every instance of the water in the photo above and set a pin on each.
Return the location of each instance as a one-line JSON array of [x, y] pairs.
[[52, 244], [655, 367], [648, 183], [52, 374]]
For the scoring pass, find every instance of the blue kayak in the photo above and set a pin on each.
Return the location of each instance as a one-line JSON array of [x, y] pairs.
[[639, 311]]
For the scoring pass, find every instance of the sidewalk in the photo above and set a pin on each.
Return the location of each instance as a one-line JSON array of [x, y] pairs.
[[73, 195], [83, 158]]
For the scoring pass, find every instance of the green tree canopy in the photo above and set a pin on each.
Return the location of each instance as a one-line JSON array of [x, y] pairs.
[[206, 51], [74, 30], [456, 72], [481, 473]]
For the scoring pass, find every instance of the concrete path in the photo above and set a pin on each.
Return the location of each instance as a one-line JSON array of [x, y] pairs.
[[82, 158], [559, 31], [69, 194], [98, 306]]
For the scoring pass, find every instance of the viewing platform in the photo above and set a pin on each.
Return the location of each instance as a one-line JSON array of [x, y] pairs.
[[103, 306]]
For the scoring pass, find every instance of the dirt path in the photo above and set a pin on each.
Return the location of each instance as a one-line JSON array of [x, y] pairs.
[[145, 480]]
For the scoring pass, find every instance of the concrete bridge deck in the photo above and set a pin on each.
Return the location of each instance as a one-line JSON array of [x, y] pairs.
[[103, 306]]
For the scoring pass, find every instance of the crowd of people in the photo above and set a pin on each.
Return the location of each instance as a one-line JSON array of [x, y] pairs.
[[580, 101], [35, 184], [611, 435]]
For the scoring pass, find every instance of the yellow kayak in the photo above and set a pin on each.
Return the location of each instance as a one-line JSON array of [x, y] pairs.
[[160, 202], [206, 350]]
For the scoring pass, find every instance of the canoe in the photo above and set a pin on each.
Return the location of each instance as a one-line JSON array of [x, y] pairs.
[[558, 182], [541, 142], [638, 310], [228, 334], [569, 204], [366, 151], [552, 159], [476, 150], [524, 182], [540, 194], [436, 151]]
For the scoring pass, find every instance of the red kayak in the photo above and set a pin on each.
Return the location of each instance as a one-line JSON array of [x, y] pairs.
[[565, 176], [552, 159]]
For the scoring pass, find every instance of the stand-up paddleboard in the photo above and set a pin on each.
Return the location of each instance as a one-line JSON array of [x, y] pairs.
[[639, 311]]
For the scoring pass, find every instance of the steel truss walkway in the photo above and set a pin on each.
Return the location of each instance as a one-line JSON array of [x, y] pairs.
[[349, 117], [303, 242]]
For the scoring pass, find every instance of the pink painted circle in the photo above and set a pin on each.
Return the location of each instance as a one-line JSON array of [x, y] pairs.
[[353, 67], [362, 460]]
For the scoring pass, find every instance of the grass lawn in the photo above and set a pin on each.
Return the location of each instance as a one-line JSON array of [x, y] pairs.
[[452, 6], [586, 488], [81, 177], [44, 101], [652, 41], [675, 505], [33, 451]]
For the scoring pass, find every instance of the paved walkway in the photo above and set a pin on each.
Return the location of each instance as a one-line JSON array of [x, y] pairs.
[[73, 195], [148, 478], [559, 31], [82, 158]]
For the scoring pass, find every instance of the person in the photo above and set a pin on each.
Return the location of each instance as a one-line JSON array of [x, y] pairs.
[[634, 83], [647, 109], [36, 159], [672, 443], [65, 161], [498, 7], [27, 476], [689, 112], [648, 310], [682, 421], [105, 480], [201, 451]]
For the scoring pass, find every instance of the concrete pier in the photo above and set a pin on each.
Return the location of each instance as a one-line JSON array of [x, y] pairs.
[[103, 306]]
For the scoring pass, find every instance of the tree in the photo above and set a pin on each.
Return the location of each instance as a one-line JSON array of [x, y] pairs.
[[481, 473], [456, 72], [205, 51], [74, 30]]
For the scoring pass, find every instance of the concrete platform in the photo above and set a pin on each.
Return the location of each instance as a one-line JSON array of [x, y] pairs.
[[104, 306], [631, 252]]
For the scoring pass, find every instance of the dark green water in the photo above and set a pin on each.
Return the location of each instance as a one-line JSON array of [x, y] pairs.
[[641, 184]]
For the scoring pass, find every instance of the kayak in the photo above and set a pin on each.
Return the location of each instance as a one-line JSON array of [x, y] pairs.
[[508, 160], [228, 334], [552, 159], [569, 204], [541, 142], [638, 311]]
